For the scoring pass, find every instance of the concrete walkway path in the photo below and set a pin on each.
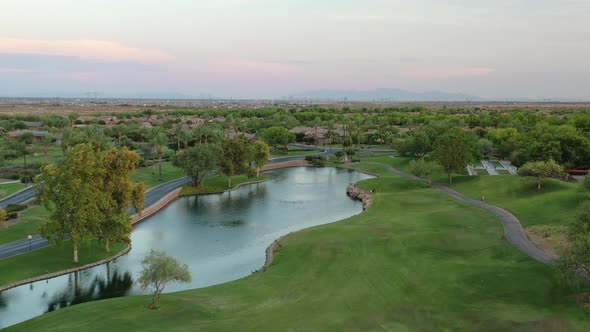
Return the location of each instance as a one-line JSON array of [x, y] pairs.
[[512, 228]]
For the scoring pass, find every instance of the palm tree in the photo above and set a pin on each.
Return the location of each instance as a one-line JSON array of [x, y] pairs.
[[159, 141], [178, 133], [330, 132], [316, 123], [46, 142]]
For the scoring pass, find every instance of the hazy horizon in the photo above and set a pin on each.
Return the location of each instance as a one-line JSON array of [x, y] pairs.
[[496, 50]]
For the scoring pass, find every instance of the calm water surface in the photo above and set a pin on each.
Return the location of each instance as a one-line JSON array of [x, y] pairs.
[[221, 237]]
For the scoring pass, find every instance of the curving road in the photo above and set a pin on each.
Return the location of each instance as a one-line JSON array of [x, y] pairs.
[[512, 228]]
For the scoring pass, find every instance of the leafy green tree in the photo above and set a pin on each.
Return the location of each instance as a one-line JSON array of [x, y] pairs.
[[486, 147], [422, 168], [260, 154], [73, 194], [454, 151], [277, 137], [540, 170], [120, 192], [234, 156], [198, 161], [158, 270], [564, 144], [416, 146]]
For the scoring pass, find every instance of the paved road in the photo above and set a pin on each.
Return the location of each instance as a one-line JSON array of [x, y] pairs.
[[20, 197], [512, 228]]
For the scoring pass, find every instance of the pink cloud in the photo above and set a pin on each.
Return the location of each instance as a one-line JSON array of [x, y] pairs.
[[449, 73], [15, 70], [86, 49]]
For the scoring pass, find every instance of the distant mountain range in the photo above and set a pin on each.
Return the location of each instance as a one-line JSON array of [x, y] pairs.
[[386, 95]]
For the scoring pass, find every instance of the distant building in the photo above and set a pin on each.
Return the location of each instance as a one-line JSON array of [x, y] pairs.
[[39, 134]]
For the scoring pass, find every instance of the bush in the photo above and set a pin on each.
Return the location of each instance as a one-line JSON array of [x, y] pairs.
[[11, 215], [3, 216], [26, 179], [316, 160], [15, 207]]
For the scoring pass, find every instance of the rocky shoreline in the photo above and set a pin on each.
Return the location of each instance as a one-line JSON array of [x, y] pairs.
[[365, 196]]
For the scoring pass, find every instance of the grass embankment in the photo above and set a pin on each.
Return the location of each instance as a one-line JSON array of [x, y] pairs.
[[52, 259], [218, 185], [418, 260], [169, 172], [7, 189]]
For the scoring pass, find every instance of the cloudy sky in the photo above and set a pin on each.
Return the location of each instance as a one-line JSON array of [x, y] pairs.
[[268, 48]]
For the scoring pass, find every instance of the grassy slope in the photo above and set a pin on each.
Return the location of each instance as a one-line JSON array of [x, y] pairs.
[[169, 172], [218, 184], [555, 204], [418, 260], [30, 221], [51, 259], [7, 189]]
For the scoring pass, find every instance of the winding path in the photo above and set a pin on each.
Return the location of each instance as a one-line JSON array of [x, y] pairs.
[[512, 228]]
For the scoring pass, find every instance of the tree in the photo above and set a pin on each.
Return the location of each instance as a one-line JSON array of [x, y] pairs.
[[120, 192], [46, 141], [159, 141], [259, 155], [416, 146], [486, 147], [540, 170], [234, 155], [575, 255], [422, 168], [158, 270], [586, 183], [73, 194], [277, 137], [454, 151], [198, 161], [564, 144]]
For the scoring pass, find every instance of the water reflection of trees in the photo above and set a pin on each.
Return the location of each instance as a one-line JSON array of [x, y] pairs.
[[99, 288], [227, 205]]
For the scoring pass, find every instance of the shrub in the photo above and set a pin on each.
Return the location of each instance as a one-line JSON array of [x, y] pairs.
[[15, 207], [11, 215]]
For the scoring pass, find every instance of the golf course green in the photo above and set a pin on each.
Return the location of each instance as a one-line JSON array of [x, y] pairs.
[[418, 260]]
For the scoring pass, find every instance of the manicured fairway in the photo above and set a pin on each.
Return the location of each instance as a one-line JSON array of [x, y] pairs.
[[555, 205], [418, 260]]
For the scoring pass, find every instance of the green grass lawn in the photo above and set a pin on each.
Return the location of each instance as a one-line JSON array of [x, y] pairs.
[[7, 189], [555, 205], [169, 172], [217, 184], [418, 260], [29, 223], [52, 259]]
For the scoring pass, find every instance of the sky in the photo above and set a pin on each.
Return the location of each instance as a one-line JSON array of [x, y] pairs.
[[495, 49]]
